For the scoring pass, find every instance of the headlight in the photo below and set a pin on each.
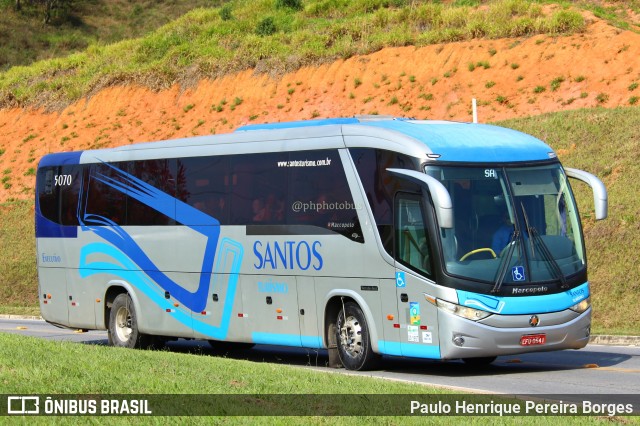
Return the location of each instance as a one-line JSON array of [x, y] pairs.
[[461, 311], [582, 306]]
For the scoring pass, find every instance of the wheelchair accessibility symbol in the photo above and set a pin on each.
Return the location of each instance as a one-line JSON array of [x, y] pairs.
[[517, 272], [400, 282]]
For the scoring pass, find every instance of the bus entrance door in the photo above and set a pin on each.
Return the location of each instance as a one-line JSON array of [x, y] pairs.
[[418, 325]]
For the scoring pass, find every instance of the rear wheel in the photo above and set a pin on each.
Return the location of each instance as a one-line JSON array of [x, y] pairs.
[[123, 325], [352, 337]]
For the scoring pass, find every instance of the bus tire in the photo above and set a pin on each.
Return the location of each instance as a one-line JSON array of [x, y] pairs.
[[352, 337], [123, 324]]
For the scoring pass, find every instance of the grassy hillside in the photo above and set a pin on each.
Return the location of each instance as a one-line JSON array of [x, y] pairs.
[[26, 38], [272, 36], [18, 274], [604, 142]]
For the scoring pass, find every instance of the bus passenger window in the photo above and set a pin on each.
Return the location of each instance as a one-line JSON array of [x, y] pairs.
[[203, 183], [104, 201]]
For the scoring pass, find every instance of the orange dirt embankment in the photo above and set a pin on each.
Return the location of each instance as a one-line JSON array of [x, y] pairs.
[[597, 67]]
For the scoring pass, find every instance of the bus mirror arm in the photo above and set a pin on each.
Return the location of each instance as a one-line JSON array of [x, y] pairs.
[[600, 200], [439, 194]]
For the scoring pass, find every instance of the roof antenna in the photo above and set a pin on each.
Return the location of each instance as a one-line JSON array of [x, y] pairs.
[[474, 108]]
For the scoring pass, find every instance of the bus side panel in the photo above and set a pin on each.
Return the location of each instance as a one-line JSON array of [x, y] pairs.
[[101, 266], [52, 262], [271, 301], [169, 249], [390, 337], [418, 319], [310, 316], [223, 317], [164, 316], [81, 301], [53, 295]]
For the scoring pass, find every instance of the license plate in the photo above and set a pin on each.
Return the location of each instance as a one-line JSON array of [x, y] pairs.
[[533, 339]]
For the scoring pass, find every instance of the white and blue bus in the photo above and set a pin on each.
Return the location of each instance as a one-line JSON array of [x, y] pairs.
[[367, 236]]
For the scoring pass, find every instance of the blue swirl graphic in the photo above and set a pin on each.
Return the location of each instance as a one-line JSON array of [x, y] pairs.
[[230, 252], [169, 206]]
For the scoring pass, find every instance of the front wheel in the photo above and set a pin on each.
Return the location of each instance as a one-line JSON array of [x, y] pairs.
[[352, 336], [123, 324]]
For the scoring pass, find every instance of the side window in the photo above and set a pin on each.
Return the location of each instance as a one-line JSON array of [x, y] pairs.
[[258, 189], [47, 194], [103, 200], [320, 194], [411, 238], [380, 186], [58, 191], [203, 183], [160, 175]]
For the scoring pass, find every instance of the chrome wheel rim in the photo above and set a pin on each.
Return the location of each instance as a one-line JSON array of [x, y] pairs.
[[351, 337], [123, 324]]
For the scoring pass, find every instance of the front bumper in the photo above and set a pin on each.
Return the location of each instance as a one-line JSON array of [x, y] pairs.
[[462, 338]]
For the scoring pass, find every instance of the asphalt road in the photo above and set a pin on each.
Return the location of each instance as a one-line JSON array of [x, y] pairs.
[[613, 372]]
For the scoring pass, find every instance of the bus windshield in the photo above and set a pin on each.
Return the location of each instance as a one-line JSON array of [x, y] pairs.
[[512, 225]]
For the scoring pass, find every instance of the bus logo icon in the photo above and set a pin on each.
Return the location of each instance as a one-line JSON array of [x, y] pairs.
[[400, 281], [518, 273], [23, 405]]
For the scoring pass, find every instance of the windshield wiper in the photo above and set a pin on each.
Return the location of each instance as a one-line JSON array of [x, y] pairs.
[[504, 262], [535, 238]]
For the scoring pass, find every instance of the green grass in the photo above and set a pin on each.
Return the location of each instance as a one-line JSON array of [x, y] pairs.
[[555, 83], [26, 39], [32, 365], [201, 44], [615, 13], [30, 311], [38, 366], [18, 275], [605, 143]]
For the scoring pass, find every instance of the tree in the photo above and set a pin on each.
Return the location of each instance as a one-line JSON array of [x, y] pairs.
[[49, 7]]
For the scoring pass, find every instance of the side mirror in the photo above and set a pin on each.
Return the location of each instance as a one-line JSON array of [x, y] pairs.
[[439, 194], [600, 199]]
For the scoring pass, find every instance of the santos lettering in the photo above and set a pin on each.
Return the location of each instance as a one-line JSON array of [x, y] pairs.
[[288, 255]]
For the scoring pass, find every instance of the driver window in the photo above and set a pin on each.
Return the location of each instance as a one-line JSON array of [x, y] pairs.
[[411, 242]]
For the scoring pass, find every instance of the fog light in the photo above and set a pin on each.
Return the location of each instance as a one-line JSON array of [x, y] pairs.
[[458, 340], [588, 332]]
